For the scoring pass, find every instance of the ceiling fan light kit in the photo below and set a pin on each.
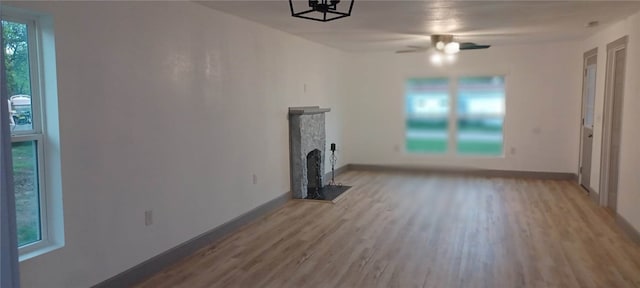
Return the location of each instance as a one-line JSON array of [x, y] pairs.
[[322, 10], [445, 43], [439, 59], [452, 48]]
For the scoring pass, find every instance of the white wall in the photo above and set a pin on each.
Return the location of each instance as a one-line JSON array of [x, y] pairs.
[[542, 107], [629, 182], [173, 106], [170, 106]]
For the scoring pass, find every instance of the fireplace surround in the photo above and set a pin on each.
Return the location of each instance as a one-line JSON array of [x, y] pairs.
[[307, 142]]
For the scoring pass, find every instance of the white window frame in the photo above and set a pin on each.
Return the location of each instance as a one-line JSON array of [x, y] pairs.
[[37, 133], [452, 131]]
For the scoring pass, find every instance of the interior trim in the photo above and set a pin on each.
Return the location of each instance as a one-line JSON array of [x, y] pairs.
[[340, 170], [159, 262], [468, 171], [628, 228], [607, 118], [585, 60], [593, 195], [592, 52]]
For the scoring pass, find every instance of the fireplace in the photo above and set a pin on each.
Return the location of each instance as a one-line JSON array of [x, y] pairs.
[[307, 142]]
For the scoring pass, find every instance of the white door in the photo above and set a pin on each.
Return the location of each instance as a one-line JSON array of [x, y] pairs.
[[588, 102]]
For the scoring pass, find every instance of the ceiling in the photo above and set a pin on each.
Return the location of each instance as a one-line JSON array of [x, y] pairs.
[[392, 25]]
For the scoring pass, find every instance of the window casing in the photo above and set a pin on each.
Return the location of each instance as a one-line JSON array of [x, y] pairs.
[[28, 134]]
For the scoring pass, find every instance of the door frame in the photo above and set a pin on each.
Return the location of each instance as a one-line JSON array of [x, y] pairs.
[[609, 85], [586, 56]]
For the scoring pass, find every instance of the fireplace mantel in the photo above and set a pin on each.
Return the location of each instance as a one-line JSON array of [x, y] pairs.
[[307, 110]]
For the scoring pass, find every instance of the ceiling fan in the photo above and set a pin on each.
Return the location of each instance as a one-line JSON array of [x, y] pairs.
[[445, 43]]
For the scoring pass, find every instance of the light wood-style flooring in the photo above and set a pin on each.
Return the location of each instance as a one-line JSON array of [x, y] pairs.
[[423, 230]]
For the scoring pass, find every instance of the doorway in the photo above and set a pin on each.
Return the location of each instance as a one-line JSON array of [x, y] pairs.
[[613, 98], [588, 103]]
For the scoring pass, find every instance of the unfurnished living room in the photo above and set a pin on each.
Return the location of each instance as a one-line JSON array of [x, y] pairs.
[[319, 143]]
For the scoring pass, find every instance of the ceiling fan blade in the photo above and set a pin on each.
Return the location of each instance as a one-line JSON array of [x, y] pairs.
[[414, 49], [472, 46], [407, 51]]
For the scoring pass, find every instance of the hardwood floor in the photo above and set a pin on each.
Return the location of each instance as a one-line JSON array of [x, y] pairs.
[[420, 230]]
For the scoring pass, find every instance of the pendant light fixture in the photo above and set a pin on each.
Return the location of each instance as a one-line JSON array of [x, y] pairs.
[[321, 10]]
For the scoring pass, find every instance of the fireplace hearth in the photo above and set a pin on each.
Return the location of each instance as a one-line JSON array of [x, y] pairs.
[[327, 192]]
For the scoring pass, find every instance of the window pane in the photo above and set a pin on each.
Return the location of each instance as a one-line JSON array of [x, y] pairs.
[[25, 169], [480, 115], [16, 51], [591, 95], [427, 112]]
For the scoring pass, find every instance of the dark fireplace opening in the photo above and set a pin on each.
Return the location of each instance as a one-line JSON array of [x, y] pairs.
[[314, 175], [316, 189]]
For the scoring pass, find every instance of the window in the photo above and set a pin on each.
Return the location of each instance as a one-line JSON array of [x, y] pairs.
[[427, 115], [591, 95], [480, 115], [26, 79], [474, 127], [26, 131]]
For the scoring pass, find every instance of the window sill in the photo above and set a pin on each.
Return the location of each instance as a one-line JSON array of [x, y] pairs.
[[43, 249]]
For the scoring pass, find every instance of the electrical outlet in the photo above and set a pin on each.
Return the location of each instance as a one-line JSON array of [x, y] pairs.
[[148, 217], [255, 179]]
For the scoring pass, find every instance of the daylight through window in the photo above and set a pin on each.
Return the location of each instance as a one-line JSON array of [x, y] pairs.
[[26, 129], [474, 127]]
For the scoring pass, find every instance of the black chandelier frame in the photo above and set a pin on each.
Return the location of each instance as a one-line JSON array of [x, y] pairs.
[[325, 8]]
